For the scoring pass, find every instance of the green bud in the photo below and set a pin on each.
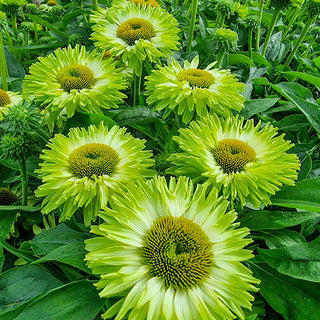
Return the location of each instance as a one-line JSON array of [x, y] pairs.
[[16, 147], [32, 8], [225, 38], [252, 21], [313, 7], [283, 4], [225, 7], [11, 7]]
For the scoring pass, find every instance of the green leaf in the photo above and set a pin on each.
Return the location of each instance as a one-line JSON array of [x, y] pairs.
[[274, 46], [274, 220], [21, 284], [236, 58], [294, 299], [72, 254], [282, 238], [6, 220], [82, 119], [313, 79], [304, 195], [252, 107], [300, 261], [303, 99], [49, 240], [293, 122], [15, 69], [73, 301]]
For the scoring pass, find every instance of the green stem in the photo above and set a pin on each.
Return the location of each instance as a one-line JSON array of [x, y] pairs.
[[36, 36], [307, 51], [259, 28], [220, 57], [24, 180], [95, 5], [136, 89], [298, 43], [291, 22], [194, 8], [3, 66], [14, 26], [275, 18], [250, 42], [9, 39]]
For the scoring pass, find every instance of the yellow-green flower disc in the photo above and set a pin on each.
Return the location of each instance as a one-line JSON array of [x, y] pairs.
[[8, 99], [135, 33], [188, 90], [85, 168], [72, 79], [248, 163], [171, 253]]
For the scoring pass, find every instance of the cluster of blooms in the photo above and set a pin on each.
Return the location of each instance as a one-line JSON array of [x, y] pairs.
[[169, 250]]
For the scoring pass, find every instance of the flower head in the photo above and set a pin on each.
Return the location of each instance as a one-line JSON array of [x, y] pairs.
[[7, 197], [188, 90], [72, 79], [7, 100], [247, 162], [11, 7], [171, 254], [313, 7], [136, 33], [83, 169], [225, 39]]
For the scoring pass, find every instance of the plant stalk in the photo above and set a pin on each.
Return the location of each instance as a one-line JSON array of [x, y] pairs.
[[24, 180], [274, 20], [291, 22], [3, 66], [220, 57], [194, 9], [259, 28]]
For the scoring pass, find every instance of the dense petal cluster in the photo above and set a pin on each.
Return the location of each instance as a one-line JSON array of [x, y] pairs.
[[136, 33], [7, 100], [83, 169], [188, 90], [72, 79], [171, 254], [247, 162]]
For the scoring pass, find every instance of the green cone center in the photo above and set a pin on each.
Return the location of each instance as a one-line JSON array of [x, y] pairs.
[[135, 29], [7, 197], [232, 155], [178, 251], [4, 98], [197, 77], [76, 77], [93, 159]]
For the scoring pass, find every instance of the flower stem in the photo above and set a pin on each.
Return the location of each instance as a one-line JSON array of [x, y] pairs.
[[298, 43], [136, 88], [14, 26], [259, 28], [274, 20], [291, 22], [220, 57], [36, 37], [194, 8], [24, 180], [3, 66], [307, 51], [95, 5], [250, 42]]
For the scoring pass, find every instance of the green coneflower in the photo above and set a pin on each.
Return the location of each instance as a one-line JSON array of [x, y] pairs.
[[7, 100], [136, 33], [246, 162], [189, 90], [171, 254], [72, 79], [83, 169]]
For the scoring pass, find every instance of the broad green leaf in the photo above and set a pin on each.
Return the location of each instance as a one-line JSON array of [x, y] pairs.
[[21, 284], [304, 195], [49, 240], [72, 254], [274, 46], [82, 119], [293, 122], [313, 79], [15, 69], [294, 299], [236, 58], [274, 220], [306, 167], [252, 107], [282, 238], [301, 261], [317, 62], [6, 220], [303, 99], [73, 301]]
